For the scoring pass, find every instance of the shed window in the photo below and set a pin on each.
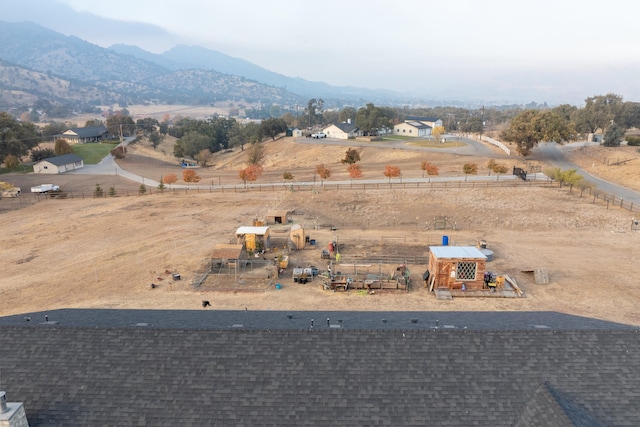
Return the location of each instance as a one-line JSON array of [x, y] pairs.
[[466, 271]]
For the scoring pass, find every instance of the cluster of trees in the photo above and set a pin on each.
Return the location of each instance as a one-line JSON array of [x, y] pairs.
[[196, 136], [16, 138], [608, 113]]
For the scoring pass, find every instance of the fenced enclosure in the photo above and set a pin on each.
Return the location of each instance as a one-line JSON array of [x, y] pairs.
[[235, 275]]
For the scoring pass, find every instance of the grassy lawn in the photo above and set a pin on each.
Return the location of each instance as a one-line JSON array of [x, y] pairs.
[[92, 153]]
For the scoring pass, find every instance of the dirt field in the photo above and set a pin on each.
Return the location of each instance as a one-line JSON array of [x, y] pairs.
[[105, 253]]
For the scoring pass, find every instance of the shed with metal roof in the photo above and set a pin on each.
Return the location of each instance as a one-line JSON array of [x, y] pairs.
[[451, 267], [253, 238]]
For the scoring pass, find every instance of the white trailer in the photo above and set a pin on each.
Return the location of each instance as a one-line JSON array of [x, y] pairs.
[[45, 188]]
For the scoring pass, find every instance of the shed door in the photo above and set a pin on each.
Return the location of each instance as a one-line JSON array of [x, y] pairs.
[[444, 272]]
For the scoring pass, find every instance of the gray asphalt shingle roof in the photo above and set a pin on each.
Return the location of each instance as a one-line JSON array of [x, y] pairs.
[[88, 131], [64, 159], [95, 367]]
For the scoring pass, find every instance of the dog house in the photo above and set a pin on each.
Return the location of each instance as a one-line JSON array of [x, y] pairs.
[[451, 267], [253, 238]]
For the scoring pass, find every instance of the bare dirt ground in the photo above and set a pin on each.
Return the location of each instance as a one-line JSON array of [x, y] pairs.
[[105, 253], [615, 164]]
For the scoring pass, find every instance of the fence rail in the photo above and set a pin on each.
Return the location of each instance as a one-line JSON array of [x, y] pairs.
[[598, 196], [288, 187], [602, 197]]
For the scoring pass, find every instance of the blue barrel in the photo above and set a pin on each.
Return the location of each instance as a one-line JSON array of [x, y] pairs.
[[445, 240]]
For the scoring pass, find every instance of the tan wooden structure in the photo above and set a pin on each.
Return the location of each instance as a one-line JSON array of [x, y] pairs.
[[451, 267]]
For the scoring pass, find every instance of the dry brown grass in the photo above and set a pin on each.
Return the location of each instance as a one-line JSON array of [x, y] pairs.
[[105, 253]]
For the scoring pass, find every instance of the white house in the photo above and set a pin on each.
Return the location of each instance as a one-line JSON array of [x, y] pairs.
[[341, 131], [416, 126], [59, 164], [413, 129]]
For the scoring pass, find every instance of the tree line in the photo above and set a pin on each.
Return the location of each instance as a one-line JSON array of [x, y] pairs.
[[199, 139]]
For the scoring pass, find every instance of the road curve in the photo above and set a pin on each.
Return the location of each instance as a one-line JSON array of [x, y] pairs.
[[551, 153]]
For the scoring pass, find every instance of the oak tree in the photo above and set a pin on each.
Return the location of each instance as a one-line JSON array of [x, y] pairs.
[[250, 173], [530, 127]]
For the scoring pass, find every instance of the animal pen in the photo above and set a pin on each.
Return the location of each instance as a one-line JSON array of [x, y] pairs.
[[249, 275], [362, 277]]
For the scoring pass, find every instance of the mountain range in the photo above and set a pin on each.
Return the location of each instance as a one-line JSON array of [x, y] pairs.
[[39, 64]]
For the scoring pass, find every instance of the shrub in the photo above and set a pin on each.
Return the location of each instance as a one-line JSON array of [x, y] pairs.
[[189, 175], [38, 154], [142, 189], [633, 141], [11, 161], [354, 171], [470, 169], [98, 192], [351, 156], [61, 146], [429, 168], [169, 178], [119, 152]]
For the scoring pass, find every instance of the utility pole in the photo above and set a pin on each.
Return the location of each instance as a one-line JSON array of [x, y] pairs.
[[482, 123], [124, 150]]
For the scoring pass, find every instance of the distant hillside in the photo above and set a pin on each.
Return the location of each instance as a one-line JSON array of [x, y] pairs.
[[36, 62]]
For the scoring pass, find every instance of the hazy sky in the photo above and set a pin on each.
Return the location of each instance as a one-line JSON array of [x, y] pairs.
[[536, 50]]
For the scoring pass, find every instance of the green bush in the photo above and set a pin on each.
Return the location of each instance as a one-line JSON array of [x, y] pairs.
[[633, 141], [470, 169], [98, 192]]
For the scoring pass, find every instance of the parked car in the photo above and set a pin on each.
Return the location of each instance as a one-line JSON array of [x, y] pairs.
[[318, 135]]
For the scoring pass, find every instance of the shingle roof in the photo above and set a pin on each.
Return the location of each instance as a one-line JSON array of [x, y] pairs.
[[87, 132], [346, 127], [199, 368], [548, 407], [63, 159]]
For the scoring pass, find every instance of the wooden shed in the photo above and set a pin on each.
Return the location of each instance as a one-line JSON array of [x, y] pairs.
[[297, 237], [277, 217], [253, 238], [452, 266]]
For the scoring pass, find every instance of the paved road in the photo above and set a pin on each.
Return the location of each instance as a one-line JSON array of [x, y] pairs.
[[546, 152], [472, 147], [552, 153]]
